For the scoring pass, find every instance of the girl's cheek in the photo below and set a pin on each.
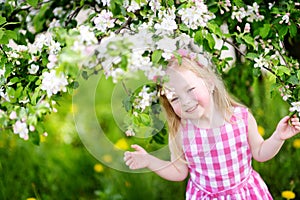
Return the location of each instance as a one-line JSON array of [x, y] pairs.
[[177, 109], [197, 95], [202, 97]]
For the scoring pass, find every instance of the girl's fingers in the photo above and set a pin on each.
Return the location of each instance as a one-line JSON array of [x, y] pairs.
[[137, 147], [129, 162]]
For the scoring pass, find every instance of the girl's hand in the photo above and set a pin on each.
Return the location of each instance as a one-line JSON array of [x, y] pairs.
[[288, 127], [137, 159]]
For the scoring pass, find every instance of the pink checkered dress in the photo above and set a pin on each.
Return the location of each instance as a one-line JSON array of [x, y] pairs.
[[219, 161]]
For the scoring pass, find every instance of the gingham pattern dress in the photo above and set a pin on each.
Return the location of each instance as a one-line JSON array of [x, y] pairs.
[[219, 161]]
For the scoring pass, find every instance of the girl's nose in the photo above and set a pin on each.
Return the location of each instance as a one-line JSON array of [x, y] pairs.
[[186, 101]]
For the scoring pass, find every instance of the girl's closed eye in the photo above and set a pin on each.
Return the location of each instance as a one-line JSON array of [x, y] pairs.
[[174, 99], [191, 89]]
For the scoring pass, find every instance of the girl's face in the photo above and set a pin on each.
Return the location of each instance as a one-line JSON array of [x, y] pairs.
[[188, 94]]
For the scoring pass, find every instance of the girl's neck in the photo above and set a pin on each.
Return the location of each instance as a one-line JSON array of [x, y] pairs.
[[212, 119]]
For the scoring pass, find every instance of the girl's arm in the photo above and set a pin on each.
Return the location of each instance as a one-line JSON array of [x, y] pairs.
[[174, 170], [263, 150]]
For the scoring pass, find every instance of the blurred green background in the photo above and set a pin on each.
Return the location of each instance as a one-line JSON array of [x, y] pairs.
[[62, 168]]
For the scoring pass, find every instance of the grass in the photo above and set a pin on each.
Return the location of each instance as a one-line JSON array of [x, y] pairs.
[[62, 168]]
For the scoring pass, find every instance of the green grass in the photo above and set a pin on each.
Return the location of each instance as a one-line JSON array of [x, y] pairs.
[[62, 168]]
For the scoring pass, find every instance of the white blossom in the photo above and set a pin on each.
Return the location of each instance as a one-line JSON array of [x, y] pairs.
[[104, 2], [251, 14], [247, 28], [196, 16], [155, 5], [271, 5], [238, 14], [86, 35], [167, 44], [295, 107], [2, 72], [31, 128], [104, 20], [285, 18], [13, 115], [134, 6], [145, 99], [153, 72], [21, 129], [58, 12], [4, 95], [117, 74], [33, 69], [138, 62], [261, 62], [52, 61], [129, 133], [53, 83], [168, 22]]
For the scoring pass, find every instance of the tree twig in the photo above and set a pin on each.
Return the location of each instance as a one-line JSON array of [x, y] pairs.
[[73, 14], [125, 88], [3, 51], [232, 44]]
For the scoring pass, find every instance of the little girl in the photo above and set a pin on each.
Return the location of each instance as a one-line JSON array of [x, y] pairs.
[[212, 138]]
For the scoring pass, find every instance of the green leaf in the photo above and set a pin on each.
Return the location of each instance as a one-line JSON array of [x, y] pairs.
[[251, 56], [256, 72], [33, 3], [131, 15], [293, 80], [158, 138], [170, 2], [13, 81], [11, 34], [145, 119], [183, 27], [124, 62], [264, 31], [1, 33], [198, 37], [211, 41], [283, 31], [249, 40], [224, 48], [238, 3], [282, 70], [156, 56], [3, 38], [127, 103], [215, 29], [34, 97], [85, 75], [2, 20], [293, 30]]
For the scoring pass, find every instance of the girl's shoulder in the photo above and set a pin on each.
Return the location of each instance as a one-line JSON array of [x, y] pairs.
[[240, 112]]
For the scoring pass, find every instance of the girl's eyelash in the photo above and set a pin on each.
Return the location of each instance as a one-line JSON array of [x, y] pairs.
[[189, 90], [174, 99]]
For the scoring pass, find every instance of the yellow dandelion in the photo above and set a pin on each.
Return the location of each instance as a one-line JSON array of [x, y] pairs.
[[42, 138], [296, 143], [31, 198], [122, 144], [261, 130], [127, 184], [107, 158], [98, 168], [287, 194]]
